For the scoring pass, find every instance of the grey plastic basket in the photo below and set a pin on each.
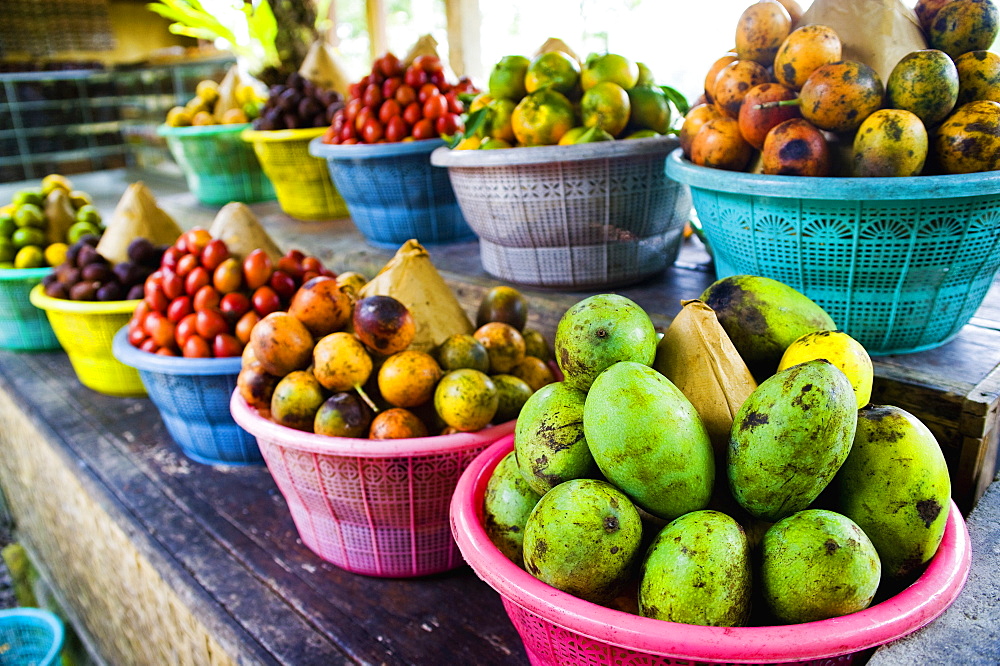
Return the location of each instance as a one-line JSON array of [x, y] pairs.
[[585, 216]]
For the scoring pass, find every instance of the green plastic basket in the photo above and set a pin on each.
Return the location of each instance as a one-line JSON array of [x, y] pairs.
[[218, 165], [901, 264], [23, 327]]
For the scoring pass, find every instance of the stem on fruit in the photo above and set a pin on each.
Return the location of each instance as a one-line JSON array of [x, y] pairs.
[[364, 396], [785, 102]]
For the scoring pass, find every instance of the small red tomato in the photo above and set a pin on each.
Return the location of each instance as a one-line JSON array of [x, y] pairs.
[[160, 329], [415, 77], [228, 276], [165, 351], [413, 113], [310, 264], [376, 77], [372, 96], [171, 256], [390, 66], [351, 110], [234, 305], [330, 135], [290, 265], [283, 284], [437, 78], [154, 296], [226, 345], [206, 298], [348, 132], [435, 107], [396, 130], [454, 103], [137, 335], [210, 323], [257, 268], [389, 109], [427, 91], [372, 131], [245, 325], [296, 255], [141, 310], [424, 129], [406, 95], [196, 347], [428, 63], [354, 90], [195, 240], [390, 86], [173, 284], [196, 279], [214, 254], [179, 308], [349, 142], [265, 301], [186, 264], [186, 327], [148, 345], [363, 116]]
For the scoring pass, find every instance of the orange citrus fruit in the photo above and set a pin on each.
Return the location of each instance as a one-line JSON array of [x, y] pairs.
[[507, 78], [606, 105], [498, 122], [609, 67], [555, 69], [542, 117]]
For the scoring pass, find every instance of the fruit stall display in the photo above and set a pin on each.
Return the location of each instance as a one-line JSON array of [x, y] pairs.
[[878, 200], [798, 523]]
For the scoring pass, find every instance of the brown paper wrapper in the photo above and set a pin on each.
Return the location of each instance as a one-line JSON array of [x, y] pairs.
[[227, 93], [137, 215], [700, 359], [876, 32], [556, 44], [322, 66], [411, 279], [237, 226], [427, 45]]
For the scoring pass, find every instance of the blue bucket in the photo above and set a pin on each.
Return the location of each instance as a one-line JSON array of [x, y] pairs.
[[23, 327], [30, 636]]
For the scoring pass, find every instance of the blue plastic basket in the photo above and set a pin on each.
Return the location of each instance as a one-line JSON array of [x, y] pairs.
[[393, 193], [218, 165], [193, 395], [30, 637], [23, 327], [901, 264]]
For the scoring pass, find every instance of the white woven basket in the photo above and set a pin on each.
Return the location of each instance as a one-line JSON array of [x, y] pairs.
[[582, 217]]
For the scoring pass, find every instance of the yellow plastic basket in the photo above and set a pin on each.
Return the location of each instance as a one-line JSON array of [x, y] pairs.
[[85, 330], [301, 182]]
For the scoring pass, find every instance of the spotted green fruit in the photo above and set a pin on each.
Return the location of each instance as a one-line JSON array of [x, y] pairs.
[[648, 440], [506, 507], [890, 142], [978, 76], [964, 25], [925, 83], [968, 141], [817, 564], [895, 485], [789, 439], [697, 571], [583, 537]]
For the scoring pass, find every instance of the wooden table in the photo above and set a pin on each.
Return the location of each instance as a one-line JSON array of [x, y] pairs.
[[163, 560]]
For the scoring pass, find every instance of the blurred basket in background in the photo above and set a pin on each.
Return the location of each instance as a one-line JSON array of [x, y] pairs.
[[23, 327], [393, 193], [559, 628], [583, 216], [901, 264], [85, 330], [301, 182], [218, 165], [192, 395], [374, 507], [30, 637]]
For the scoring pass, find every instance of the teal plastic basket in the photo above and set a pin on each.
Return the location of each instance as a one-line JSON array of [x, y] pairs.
[[23, 327], [901, 264], [218, 165], [30, 637]]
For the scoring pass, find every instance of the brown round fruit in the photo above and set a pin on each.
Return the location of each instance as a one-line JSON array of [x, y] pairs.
[[343, 415], [281, 343], [713, 74], [839, 96], [256, 386], [891, 142], [720, 145], [383, 324], [408, 378], [968, 141], [321, 305], [756, 120], [734, 82], [462, 350], [796, 148], [503, 304], [534, 371], [397, 423], [693, 122], [341, 362], [295, 400], [804, 50], [760, 30], [504, 345]]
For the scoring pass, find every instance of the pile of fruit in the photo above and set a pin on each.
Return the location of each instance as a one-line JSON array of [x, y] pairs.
[[809, 499], [298, 104], [200, 302], [202, 109], [86, 275], [553, 100], [395, 103], [786, 98], [335, 366], [38, 224]]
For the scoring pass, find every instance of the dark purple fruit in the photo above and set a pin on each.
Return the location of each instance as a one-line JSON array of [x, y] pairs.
[[140, 250], [84, 291], [90, 239], [50, 278], [343, 415], [296, 80], [97, 272], [56, 290], [291, 121], [111, 291], [71, 253], [135, 292], [309, 107], [289, 100], [88, 255], [68, 274]]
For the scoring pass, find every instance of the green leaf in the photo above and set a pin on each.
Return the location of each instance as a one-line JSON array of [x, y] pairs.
[[476, 121], [677, 99]]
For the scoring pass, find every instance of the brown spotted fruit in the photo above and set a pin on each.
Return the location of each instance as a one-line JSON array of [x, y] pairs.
[[693, 122], [734, 82], [925, 83], [713, 73], [790, 438], [891, 142], [968, 141], [756, 119], [895, 486], [719, 144], [964, 25], [760, 30], [803, 51], [978, 76], [839, 96], [795, 148]]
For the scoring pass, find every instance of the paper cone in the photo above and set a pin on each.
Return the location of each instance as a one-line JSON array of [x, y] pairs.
[[425, 45], [227, 93], [411, 279], [556, 44], [323, 68], [876, 32], [237, 226], [700, 359], [136, 216]]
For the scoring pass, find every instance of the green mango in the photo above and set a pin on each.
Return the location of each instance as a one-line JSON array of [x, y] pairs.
[[583, 537], [895, 485], [817, 564], [697, 571], [548, 438], [649, 441], [600, 331], [506, 507], [789, 439], [762, 317]]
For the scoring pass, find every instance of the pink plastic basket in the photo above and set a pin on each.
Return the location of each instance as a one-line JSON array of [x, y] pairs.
[[374, 507], [558, 628]]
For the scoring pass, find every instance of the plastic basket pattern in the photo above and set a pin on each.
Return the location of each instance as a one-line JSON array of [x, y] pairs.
[[85, 330], [899, 263], [586, 216], [301, 182], [558, 628], [218, 165], [372, 507], [192, 396], [393, 193], [30, 636], [23, 327]]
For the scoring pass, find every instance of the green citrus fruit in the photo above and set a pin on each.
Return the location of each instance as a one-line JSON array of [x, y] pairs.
[[606, 105], [507, 78], [7, 226], [81, 229], [88, 213], [26, 236], [29, 215], [555, 69], [609, 67], [542, 117], [28, 196], [7, 249], [29, 257]]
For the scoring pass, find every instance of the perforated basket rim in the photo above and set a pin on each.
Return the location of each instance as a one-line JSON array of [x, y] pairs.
[[832, 188], [274, 136], [130, 355], [24, 273], [360, 151], [307, 442], [16, 616], [889, 620], [581, 152], [40, 299], [201, 130]]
